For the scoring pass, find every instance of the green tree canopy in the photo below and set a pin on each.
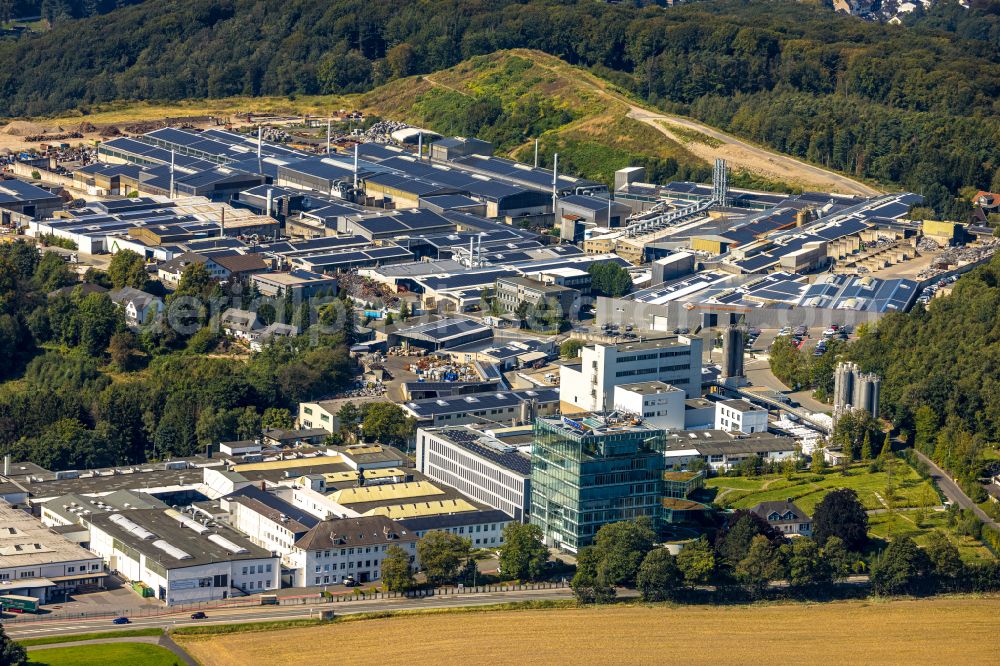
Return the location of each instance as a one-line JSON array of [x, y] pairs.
[[522, 553], [659, 576], [902, 568], [621, 547], [397, 574], [842, 515], [441, 555], [127, 269], [697, 562]]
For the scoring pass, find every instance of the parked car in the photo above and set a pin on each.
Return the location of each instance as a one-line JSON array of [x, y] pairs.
[[350, 582], [200, 615], [121, 620]]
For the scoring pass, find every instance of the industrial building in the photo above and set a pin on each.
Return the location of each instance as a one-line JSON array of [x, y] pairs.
[[38, 562], [501, 408], [740, 416], [723, 450], [17, 196], [181, 559], [659, 404]]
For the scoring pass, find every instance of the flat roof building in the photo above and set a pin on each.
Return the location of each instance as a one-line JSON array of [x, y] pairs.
[[593, 470], [589, 384], [37, 562], [181, 559], [485, 467]]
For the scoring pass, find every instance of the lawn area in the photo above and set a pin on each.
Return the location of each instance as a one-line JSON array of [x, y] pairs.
[[807, 489], [75, 638], [947, 630], [107, 654], [903, 523]]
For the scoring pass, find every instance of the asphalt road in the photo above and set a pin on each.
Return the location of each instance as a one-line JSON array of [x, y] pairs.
[[953, 492], [57, 627]]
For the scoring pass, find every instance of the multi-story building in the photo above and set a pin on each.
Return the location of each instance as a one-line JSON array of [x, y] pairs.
[[590, 471], [740, 416], [481, 466], [589, 384], [660, 405], [348, 548], [512, 291]]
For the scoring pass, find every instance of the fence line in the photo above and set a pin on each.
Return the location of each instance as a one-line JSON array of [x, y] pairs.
[[304, 600]]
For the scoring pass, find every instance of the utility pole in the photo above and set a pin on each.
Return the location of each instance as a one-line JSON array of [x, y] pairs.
[[327, 136], [536, 153]]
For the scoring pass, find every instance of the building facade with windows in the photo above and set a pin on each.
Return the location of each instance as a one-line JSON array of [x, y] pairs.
[[740, 416], [589, 471], [37, 562], [589, 384], [479, 465], [348, 548]]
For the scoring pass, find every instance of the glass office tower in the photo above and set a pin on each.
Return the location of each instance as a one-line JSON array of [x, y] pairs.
[[590, 471]]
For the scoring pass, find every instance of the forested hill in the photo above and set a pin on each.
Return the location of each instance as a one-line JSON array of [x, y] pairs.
[[915, 106]]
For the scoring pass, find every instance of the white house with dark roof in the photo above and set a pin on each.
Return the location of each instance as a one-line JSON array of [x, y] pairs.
[[785, 517], [141, 308]]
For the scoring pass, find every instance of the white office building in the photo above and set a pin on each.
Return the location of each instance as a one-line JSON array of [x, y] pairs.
[[348, 548], [659, 404], [479, 465], [740, 416], [589, 384]]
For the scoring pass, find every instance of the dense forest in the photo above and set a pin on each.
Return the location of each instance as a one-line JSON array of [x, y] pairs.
[[59, 11], [913, 105], [83, 390]]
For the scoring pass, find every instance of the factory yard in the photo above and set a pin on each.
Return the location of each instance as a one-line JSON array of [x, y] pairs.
[[890, 632]]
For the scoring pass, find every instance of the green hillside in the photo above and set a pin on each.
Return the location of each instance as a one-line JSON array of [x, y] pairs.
[[511, 97]]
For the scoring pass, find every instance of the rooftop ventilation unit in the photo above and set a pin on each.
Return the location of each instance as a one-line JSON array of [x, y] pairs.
[[131, 527], [220, 540], [171, 550], [186, 522]]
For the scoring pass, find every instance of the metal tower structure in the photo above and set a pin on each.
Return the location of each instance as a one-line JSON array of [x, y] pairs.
[[720, 183]]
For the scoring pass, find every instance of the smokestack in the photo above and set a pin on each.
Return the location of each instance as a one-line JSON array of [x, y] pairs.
[[536, 153], [327, 136], [270, 201], [472, 260], [479, 248], [555, 184], [171, 173], [222, 223], [420, 145], [6, 465], [355, 166]]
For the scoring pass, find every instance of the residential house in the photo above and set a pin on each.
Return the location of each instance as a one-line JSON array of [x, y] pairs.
[[141, 308], [785, 517]]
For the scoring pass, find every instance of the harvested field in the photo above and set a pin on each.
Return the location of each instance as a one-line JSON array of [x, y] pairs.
[[942, 631]]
